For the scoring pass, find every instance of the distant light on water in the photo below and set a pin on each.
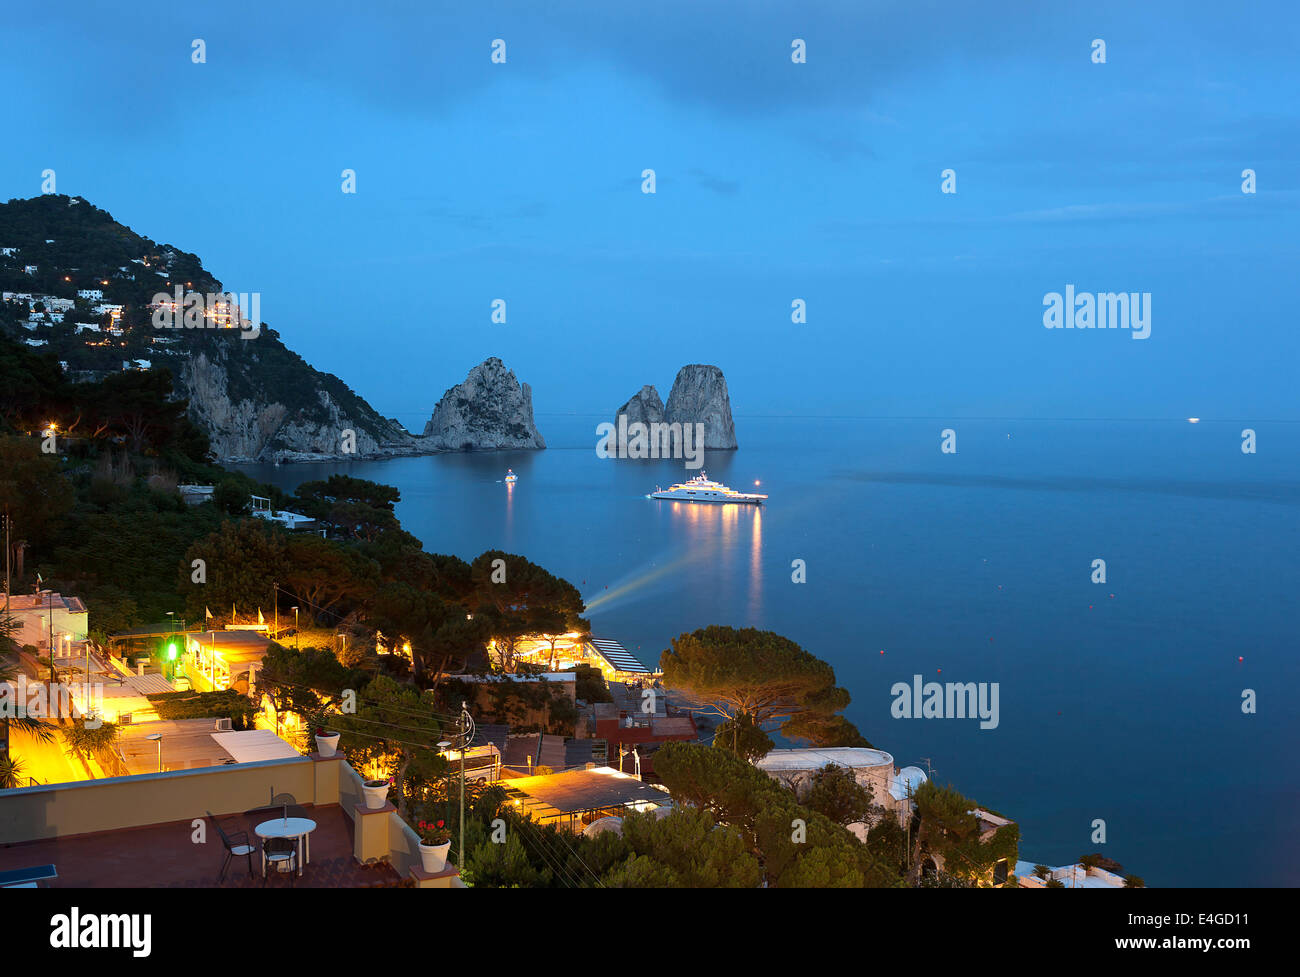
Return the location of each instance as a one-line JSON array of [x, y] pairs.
[[1193, 420]]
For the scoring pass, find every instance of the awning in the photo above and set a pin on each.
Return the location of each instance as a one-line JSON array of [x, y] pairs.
[[618, 657], [251, 745]]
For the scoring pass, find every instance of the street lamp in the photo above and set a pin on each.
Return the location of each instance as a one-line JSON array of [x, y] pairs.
[[157, 738]]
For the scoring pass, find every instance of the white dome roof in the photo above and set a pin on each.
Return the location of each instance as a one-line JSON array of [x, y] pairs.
[[906, 782], [602, 825]]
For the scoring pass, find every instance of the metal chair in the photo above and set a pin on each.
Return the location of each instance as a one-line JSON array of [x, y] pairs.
[[235, 844], [280, 855]]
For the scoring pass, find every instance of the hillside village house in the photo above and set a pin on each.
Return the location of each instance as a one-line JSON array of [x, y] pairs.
[[38, 614], [91, 294]]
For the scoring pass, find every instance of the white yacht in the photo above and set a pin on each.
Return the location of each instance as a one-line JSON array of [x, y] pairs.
[[511, 476], [701, 488]]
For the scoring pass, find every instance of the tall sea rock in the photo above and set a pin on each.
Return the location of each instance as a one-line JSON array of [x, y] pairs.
[[699, 395], [644, 406], [491, 410]]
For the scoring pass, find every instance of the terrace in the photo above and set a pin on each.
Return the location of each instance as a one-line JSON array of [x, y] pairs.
[[153, 830], [164, 856]]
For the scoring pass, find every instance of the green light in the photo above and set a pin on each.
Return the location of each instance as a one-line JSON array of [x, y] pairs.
[[171, 652]]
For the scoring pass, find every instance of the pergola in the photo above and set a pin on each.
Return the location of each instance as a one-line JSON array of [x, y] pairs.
[[578, 797]]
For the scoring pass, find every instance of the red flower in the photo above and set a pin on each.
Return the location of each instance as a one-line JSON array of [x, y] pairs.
[[440, 824]]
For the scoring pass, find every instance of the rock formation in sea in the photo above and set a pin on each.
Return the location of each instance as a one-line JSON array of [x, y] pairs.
[[644, 406], [699, 395], [491, 410]]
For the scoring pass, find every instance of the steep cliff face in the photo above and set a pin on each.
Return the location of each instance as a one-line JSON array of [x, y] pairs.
[[645, 407], [246, 423], [256, 399], [699, 395], [491, 410]]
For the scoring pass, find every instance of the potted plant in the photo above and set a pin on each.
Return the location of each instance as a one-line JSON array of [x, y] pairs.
[[327, 741], [376, 792], [435, 842]]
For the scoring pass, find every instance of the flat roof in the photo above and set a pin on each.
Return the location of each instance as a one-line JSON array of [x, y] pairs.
[[816, 758], [251, 745], [186, 744], [576, 791]]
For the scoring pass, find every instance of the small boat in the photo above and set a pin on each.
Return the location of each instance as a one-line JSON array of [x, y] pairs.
[[511, 476]]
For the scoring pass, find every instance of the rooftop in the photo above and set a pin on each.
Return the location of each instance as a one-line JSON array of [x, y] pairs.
[[816, 758], [577, 791], [191, 743], [164, 856], [44, 600]]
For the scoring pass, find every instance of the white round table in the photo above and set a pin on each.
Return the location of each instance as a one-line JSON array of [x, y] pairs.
[[300, 828]]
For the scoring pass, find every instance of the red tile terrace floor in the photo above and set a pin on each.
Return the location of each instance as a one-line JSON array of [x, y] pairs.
[[164, 856]]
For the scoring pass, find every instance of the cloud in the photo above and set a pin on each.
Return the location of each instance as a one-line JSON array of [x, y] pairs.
[[715, 183]]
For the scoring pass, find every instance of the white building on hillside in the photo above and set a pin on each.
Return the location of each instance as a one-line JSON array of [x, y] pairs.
[[1071, 876], [37, 614]]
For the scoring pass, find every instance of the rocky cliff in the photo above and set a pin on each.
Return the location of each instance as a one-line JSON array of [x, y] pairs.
[[645, 407], [256, 399], [491, 410], [325, 421], [699, 395]]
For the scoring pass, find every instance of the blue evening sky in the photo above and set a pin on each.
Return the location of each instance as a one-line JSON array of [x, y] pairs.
[[776, 181]]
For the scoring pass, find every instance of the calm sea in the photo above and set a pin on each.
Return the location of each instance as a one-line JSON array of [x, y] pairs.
[[1119, 702]]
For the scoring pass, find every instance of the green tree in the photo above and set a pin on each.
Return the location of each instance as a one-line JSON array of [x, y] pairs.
[[231, 497], [358, 508], [11, 771], [394, 734], [33, 726], [795, 845], [305, 682], [87, 742], [519, 598], [743, 737], [242, 560], [686, 849], [33, 490], [326, 574], [761, 675], [948, 828], [833, 791]]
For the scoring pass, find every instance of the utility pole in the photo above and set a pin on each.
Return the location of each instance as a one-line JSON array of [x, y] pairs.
[[465, 723], [7, 585]]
